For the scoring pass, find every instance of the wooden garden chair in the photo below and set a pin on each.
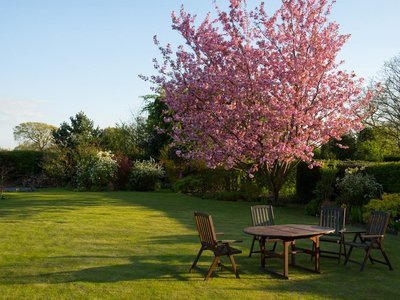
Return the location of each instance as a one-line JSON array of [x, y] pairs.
[[262, 215], [334, 217], [371, 239], [209, 241]]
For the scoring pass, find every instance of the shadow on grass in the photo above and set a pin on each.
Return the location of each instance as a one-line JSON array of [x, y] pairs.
[[164, 268]]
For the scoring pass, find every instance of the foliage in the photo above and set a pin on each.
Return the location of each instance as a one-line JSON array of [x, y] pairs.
[[306, 181], [341, 149], [324, 189], [356, 188], [174, 166], [313, 207], [375, 144], [34, 135], [387, 101], [146, 175], [20, 164], [158, 130], [96, 171], [74, 141], [123, 172], [189, 185], [128, 138], [79, 132], [389, 203], [387, 174], [256, 92]]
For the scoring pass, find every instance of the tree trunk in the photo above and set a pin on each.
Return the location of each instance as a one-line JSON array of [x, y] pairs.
[[276, 176]]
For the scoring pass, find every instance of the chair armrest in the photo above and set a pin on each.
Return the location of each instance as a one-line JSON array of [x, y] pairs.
[[353, 231], [219, 233], [229, 241], [371, 236]]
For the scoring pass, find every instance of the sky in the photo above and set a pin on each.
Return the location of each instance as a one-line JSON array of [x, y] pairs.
[[58, 58]]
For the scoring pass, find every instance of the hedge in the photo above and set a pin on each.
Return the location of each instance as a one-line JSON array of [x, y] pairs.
[[385, 173], [18, 164]]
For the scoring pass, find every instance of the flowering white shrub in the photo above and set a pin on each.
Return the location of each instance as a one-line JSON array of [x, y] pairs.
[[146, 175], [96, 171]]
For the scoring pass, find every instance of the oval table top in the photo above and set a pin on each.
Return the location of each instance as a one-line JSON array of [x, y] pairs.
[[289, 231]]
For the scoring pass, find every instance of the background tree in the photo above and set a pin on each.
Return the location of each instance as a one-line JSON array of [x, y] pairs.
[[34, 135], [74, 141], [159, 132], [342, 150], [80, 132], [375, 144], [387, 101], [128, 138], [257, 92]]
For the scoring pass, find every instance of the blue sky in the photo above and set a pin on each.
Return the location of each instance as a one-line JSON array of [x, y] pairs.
[[61, 57]]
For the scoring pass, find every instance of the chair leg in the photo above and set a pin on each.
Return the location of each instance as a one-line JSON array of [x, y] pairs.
[[214, 263], [344, 248], [367, 255], [252, 246], [196, 259], [274, 247], [340, 251], [348, 255], [234, 266], [386, 259]]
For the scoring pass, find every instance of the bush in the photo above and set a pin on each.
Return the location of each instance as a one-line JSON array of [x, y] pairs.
[[324, 189], [123, 172], [306, 181], [97, 171], [189, 185], [313, 207], [356, 188], [389, 203], [20, 164], [387, 174], [146, 175]]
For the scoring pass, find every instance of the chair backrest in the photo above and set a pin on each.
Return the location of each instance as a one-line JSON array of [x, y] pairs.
[[205, 227], [378, 222], [334, 217], [262, 215]]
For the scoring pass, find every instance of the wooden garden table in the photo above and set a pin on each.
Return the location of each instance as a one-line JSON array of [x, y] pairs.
[[289, 233]]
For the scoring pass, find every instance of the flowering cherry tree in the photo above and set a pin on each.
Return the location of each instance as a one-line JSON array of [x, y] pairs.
[[259, 92]]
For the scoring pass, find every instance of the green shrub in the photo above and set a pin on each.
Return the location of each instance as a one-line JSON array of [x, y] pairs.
[[20, 164], [96, 171], [389, 203], [324, 189], [313, 207], [306, 181], [189, 185], [356, 188], [387, 174], [146, 175], [229, 196]]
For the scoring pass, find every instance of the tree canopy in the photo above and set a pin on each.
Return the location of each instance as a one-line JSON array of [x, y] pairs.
[[259, 92], [34, 135]]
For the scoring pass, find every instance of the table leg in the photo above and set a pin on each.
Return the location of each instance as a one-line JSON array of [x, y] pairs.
[[262, 251], [293, 253], [316, 253], [286, 258]]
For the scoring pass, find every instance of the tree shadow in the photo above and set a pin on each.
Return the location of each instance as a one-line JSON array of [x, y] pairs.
[[161, 268]]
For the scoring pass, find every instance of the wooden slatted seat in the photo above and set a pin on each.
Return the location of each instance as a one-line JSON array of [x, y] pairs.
[[371, 239], [208, 240], [334, 217], [262, 215]]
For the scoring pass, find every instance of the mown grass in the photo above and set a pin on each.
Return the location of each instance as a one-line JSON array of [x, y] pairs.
[[124, 245]]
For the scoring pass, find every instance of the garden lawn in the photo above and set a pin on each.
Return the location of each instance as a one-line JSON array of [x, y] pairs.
[[58, 244]]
